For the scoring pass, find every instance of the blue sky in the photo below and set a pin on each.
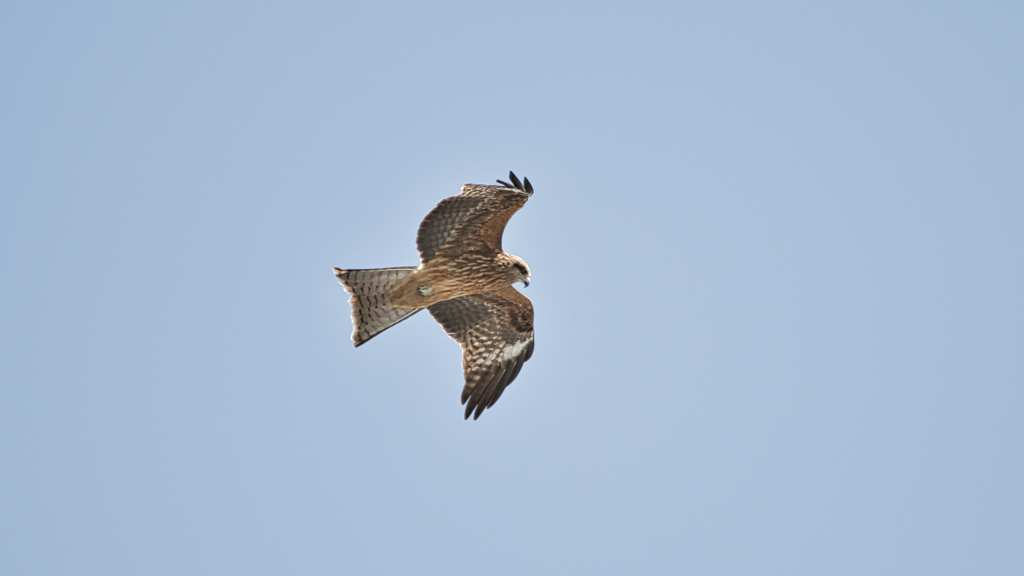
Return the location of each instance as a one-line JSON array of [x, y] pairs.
[[776, 254]]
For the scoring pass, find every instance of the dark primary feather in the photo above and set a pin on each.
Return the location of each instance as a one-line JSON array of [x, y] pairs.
[[517, 184]]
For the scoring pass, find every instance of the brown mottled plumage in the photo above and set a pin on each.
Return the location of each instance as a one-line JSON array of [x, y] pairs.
[[465, 280]]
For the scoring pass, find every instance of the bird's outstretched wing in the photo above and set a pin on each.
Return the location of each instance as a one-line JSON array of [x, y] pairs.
[[495, 330], [474, 219]]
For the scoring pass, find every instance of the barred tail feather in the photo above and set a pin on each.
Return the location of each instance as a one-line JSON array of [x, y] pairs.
[[371, 314]]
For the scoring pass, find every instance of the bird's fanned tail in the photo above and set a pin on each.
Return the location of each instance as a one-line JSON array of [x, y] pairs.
[[371, 314]]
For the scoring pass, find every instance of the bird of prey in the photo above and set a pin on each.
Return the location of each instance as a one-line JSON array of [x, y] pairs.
[[465, 280]]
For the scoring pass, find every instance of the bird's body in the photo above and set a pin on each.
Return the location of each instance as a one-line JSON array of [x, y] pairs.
[[465, 280], [446, 278]]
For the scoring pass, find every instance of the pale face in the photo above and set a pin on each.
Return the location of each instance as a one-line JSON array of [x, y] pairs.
[[519, 271]]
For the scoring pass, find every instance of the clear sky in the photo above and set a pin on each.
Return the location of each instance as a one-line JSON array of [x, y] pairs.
[[778, 272]]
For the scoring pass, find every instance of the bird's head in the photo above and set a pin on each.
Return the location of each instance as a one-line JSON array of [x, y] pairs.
[[519, 271]]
